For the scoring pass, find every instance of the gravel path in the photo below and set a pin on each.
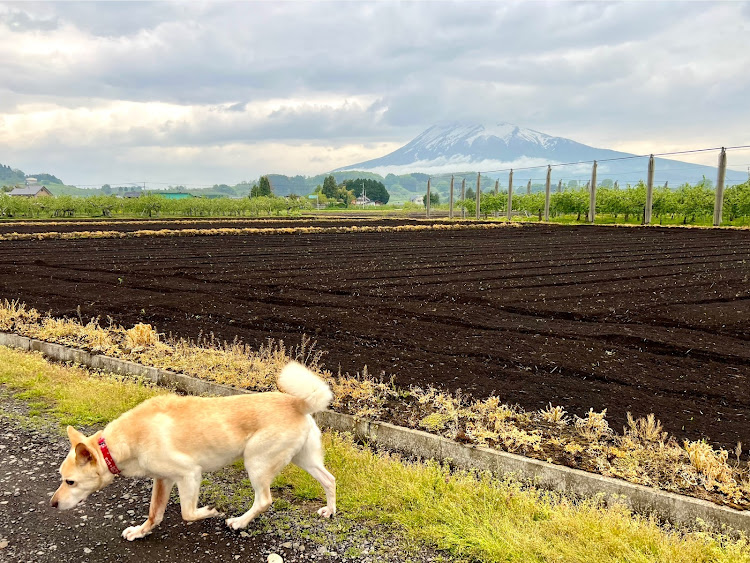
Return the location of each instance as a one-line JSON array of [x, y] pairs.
[[31, 450]]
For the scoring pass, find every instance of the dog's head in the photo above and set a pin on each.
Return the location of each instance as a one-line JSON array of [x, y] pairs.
[[83, 472]]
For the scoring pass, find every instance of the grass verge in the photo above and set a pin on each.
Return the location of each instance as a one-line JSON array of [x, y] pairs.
[[468, 516], [641, 454]]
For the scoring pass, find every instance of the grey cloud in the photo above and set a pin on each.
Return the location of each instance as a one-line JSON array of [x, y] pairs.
[[567, 68], [19, 21]]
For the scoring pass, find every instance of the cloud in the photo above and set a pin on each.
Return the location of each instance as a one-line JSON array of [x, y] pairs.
[[145, 78]]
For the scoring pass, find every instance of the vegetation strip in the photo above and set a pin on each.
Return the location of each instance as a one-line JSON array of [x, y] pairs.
[[672, 507], [471, 516], [252, 231]]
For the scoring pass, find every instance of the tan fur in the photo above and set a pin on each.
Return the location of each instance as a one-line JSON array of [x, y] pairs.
[[175, 439]]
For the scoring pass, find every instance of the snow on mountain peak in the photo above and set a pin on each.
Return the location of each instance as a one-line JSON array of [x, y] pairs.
[[466, 134]]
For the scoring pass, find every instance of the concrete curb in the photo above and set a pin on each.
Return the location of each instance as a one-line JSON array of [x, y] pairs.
[[672, 507]]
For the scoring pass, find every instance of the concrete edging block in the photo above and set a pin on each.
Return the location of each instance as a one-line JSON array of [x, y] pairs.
[[675, 508], [15, 341]]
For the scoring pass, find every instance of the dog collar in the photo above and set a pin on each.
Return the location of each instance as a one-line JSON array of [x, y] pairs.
[[108, 457]]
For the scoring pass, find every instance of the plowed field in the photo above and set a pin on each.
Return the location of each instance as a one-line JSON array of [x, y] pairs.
[[628, 319]]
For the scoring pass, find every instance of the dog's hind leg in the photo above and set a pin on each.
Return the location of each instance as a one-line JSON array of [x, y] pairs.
[[263, 461], [189, 487], [159, 500], [310, 458], [261, 478]]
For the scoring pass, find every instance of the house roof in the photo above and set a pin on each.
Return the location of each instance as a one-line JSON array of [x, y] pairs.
[[29, 190]]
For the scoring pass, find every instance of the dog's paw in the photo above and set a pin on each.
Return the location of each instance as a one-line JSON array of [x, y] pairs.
[[208, 512], [326, 512], [134, 533], [236, 523]]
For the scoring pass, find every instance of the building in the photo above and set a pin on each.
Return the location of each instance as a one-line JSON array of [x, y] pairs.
[[364, 201], [32, 190]]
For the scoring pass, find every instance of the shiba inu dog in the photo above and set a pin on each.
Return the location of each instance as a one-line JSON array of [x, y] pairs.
[[174, 439]]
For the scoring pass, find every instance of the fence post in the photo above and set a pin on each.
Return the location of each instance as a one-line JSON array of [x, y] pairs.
[[528, 188], [649, 192], [479, 191], [592, 195], [719, 203], [463, 197], [559, 187], [450, 213], [427, 199], [510, 194], [546, 193], [497, 191]]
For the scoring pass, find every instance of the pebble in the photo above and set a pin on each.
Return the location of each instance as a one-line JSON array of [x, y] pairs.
[[275, 558]]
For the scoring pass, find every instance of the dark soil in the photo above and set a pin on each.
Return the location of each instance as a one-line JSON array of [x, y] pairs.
[[633, 320]]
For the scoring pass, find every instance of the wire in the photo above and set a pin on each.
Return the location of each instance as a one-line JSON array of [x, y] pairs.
[[633, 157]]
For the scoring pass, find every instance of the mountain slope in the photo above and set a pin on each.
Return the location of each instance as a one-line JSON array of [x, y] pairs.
[[458, 147]]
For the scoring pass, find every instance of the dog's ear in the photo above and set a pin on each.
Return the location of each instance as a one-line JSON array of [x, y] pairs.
[[83, 454], [75, 436]]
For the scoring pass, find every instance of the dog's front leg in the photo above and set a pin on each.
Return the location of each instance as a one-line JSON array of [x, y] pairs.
[[159, 499]]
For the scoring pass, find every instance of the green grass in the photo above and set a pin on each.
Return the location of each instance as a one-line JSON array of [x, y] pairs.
[[473, 517], [71, 395]]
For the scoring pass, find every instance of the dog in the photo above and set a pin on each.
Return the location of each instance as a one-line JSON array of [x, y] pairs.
[[174, 439]]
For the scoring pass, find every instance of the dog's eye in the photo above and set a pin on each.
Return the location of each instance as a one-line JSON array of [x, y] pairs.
[[69, 482]]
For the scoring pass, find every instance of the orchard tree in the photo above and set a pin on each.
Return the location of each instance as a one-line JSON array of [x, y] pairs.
[[434, 199]]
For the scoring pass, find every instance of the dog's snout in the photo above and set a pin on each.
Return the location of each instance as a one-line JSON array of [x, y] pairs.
[[53, 502]]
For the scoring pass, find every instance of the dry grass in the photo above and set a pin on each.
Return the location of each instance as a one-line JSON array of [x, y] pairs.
[[254, 231], [642, 454]]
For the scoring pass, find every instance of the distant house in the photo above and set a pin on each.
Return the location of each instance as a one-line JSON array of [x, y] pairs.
[[364, 201], [419, 200], [131, 195], [32, 190]]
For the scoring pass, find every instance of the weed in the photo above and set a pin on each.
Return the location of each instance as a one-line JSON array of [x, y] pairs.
[[594, 426]]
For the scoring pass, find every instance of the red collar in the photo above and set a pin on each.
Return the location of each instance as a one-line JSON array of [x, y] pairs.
[[108, 457]]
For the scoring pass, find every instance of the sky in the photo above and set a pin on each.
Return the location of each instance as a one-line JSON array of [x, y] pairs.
[[199, 93]]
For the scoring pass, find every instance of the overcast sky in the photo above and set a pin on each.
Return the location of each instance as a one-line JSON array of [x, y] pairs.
[[213, 92]]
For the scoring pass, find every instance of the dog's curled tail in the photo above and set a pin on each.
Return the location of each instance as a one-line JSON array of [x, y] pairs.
[[295, 379]]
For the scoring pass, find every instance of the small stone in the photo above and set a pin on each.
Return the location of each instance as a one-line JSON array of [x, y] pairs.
[[4, 544], [275, 558], [86, 550], [287, 545]]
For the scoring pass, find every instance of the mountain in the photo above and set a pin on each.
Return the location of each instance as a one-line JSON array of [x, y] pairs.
[[460, 147]]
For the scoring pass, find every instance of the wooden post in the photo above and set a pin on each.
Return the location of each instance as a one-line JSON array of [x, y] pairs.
[[497, 191], [479, 191], [463, 197], [427, 199], [559, 187], [450, 213], [592, 195], [528, 188], [546, 194], [510, 194], [649, 192], [719, 203]]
